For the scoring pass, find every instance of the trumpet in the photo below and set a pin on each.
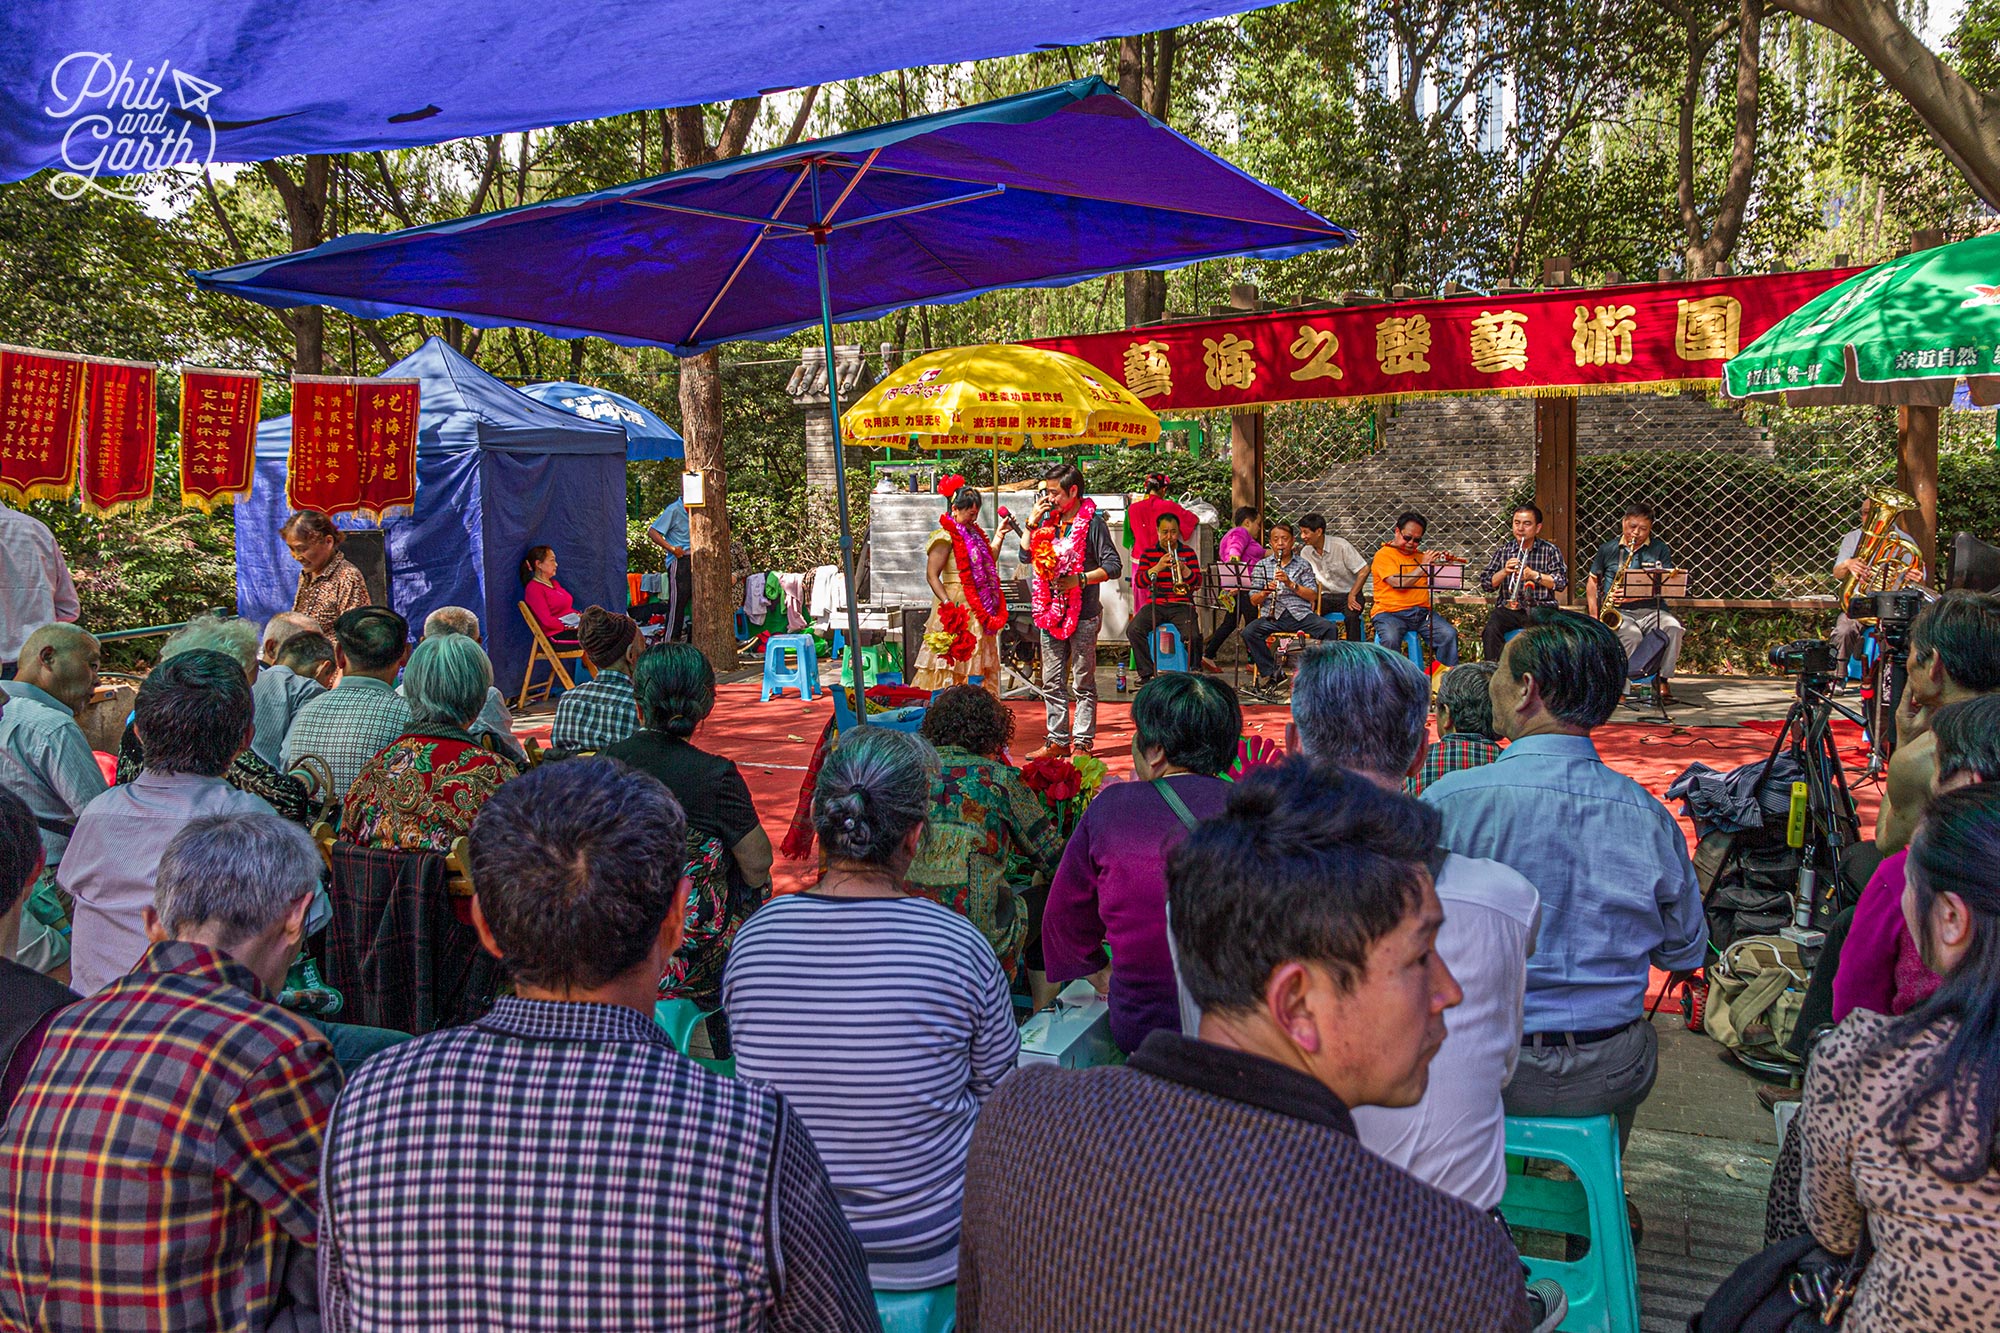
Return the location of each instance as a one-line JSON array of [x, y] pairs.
[[1179, 574], [1513, 598]]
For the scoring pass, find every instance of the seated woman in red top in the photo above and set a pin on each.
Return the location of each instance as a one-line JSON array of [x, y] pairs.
[[548, 600], [1111, 887]]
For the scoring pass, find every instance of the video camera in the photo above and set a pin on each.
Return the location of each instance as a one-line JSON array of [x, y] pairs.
[[1808, 657]]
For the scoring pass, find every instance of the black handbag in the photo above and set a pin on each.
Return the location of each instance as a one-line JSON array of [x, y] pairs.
[[1791, 1287]]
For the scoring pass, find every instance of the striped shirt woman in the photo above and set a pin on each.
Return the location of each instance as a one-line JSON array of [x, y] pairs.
[[886, 1022]]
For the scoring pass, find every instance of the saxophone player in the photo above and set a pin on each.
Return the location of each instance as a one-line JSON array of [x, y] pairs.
[[1636, 548], [1523, 573]]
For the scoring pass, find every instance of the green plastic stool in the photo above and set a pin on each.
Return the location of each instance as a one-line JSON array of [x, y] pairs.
[[932, 1310], [879, 662], [1603, 1286], [678, 1019]]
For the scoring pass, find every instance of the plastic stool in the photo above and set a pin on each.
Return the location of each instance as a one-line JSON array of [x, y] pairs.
[[932, 1310], [678, 1019], [1169, 653], [1603, 1286], [781, 675], [909, 718], [742, 628], [881, 663], [1413, 646]]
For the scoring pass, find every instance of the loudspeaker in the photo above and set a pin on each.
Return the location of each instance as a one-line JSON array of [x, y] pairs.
[[1974, 564], [364, 547]]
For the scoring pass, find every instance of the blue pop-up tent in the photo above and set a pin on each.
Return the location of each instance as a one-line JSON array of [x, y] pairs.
[[647, 438], [497, 472]]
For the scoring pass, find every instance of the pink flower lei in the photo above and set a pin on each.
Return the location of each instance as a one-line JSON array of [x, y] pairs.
[[1053, 557], [977, 573]]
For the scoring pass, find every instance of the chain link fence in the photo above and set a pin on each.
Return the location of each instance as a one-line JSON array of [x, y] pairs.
[[1753, 500]]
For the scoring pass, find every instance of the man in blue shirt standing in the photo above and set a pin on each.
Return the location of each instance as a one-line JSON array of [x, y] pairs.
[[1618, 891], [669, 532]]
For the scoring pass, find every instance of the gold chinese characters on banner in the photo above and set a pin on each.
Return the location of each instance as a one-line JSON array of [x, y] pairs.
[[219, 414], [41, 410], [1562, 340], [120, 435], [354, 445]]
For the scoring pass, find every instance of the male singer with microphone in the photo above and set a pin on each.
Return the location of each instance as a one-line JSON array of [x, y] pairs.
[[1523, 574]]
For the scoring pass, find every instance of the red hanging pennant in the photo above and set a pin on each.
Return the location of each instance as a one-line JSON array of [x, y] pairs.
[[387, 414], [219, 412], [41, 401], [120, 429], [354, 445]]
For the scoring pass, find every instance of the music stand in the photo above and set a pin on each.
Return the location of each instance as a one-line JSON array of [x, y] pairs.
[[1655, 584], [1447, 577]]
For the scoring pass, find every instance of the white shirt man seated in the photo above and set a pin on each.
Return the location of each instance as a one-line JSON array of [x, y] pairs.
[[1363, 708]]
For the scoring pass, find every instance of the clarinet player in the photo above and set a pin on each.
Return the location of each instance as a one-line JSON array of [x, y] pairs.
[[1524, 573]]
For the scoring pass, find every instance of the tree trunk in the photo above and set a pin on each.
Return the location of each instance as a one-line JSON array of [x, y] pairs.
[[1707, 248], [714, 600], [1964, 120], [714, 592], [304, 198], [1145, 78]]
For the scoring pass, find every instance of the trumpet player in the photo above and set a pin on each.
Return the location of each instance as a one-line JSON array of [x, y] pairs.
[[1522, 574], [1169, 573], [1636, 548]]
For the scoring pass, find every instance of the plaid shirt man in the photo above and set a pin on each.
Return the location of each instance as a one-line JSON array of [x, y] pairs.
[[557, 1165], [596, 714], [1461, 749], [1544, 557], [347, 726], [159, 1168]]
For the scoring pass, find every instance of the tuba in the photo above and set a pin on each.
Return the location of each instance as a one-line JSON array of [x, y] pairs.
[[1892, 560]]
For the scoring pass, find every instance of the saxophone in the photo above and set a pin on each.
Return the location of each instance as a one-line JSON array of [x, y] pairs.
[[1610, 615]]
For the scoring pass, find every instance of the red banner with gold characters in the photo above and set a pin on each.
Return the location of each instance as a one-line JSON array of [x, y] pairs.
[[41, 404], [219, 414], [120, 435], [354, 445], [1561, 341]]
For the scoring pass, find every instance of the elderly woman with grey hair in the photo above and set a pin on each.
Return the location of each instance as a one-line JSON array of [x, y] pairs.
[[235, 638], [422, 791], [881, 1015]]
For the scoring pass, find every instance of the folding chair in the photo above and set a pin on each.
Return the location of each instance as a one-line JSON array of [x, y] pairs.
[[544, 651]]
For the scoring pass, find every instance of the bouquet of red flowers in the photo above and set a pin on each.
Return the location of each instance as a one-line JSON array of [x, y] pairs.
[[953, 639], [1065, 785]]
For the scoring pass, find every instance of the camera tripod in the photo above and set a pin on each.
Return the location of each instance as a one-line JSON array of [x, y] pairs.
[[1827, 825]]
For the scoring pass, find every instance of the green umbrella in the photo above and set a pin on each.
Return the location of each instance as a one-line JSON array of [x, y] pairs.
[[1929, 316]]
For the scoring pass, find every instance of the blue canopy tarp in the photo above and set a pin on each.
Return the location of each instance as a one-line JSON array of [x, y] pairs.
[[497, 472], [1044, 189], [647, 438], [253, 80]]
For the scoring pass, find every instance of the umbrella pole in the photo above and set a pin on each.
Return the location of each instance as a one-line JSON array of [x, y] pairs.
[[819, 237]]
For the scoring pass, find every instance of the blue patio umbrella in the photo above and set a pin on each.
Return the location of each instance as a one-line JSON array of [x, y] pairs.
[[647, 438], [1043, 189]]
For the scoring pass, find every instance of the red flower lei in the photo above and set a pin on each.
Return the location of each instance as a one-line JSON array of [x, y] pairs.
[[981, 581], [1053, 557]]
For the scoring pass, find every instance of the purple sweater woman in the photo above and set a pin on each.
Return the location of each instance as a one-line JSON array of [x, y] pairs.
[[1111, 888]]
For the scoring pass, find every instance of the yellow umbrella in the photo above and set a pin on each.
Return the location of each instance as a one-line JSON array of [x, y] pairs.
[[999, 396]]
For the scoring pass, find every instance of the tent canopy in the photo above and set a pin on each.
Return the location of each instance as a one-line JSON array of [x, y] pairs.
[[350, 75], [1044, 189], [647, 438], [497, 472]]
